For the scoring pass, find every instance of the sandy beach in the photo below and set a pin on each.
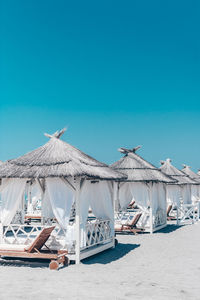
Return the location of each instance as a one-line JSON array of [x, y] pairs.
[[165, 265]]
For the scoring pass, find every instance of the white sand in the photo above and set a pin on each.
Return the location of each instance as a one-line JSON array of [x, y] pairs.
[[161, 266]]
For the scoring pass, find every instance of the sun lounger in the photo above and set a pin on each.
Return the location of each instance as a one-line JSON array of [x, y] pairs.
[[34, 250], [169, 209], [130, 227], [131, 205]]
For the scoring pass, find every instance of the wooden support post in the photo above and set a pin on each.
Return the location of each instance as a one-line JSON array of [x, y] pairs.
[[1, 233], [116, 196], [166, 206], [29, 197], [115, 199], [177, 220], [77, 228], [42, 189], [151, 211]]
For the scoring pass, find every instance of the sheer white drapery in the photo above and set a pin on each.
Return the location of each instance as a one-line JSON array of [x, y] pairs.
[[158, 198], [186, 194], [173, 194], [47, 211], [12, 191], [61, 198], [195, 193], [140, 193], [125, 195], [99, 199], [35, 194], [159, 209]]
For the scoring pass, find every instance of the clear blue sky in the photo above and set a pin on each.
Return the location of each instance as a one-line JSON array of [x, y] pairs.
[[118, 73]]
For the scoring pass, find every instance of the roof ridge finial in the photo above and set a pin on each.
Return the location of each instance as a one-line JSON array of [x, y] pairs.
[[186, 166], [56, 134], [168, 160], [126, 151], [136, 148]]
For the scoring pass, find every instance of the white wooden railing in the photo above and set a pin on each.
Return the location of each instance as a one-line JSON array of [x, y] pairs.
[[187, 214], [97, 232], [20, 233], [24, 234]]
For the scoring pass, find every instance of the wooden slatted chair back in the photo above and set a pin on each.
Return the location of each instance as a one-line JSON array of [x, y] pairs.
[[135, 219], [169, 209], [41, 239]]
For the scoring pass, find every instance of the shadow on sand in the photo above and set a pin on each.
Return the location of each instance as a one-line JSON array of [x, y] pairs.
[[169, 228], [104, 257], [24, 263], [111, 254]]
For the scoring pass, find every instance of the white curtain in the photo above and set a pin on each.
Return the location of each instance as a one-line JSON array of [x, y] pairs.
[[159, 210], [186, 194], [99, 198], [61, 197], [173, 194], [125, 195], [140, 193], [195, 193], [47, 211], [155, 190], [11, 194]]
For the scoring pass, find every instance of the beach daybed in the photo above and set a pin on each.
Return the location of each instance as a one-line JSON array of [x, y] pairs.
[[35, 251], [70, 183], [179, 194], [146, 186]]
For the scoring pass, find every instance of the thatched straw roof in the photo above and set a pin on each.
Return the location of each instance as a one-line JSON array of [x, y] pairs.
[[138, 169], [169, 169], [56, 158], [187, 170]]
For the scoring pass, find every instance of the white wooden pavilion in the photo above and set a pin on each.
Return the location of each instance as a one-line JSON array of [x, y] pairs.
[[69, 182], [146, 186], [179, 193], [195, 189]]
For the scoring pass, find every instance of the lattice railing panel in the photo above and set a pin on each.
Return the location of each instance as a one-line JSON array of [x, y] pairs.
[[188, 214], [20, 233], [25, 234], [97, 232]]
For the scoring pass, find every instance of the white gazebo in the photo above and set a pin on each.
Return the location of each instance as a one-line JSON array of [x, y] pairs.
[[195, 188], [146, 186], [179, 194], [69, 183]]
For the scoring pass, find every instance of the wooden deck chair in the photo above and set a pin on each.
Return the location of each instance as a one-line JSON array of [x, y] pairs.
[[169, 209], [130, 227], [131, 205], [34, 250]]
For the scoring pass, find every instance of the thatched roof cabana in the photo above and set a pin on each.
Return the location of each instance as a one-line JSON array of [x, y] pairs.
[[187, 170], [138, 169], [145, 185], [170, 170], [57, 158], [65, 177]]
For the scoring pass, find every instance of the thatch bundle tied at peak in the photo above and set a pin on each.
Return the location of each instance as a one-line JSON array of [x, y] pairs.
[[56, 158]]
